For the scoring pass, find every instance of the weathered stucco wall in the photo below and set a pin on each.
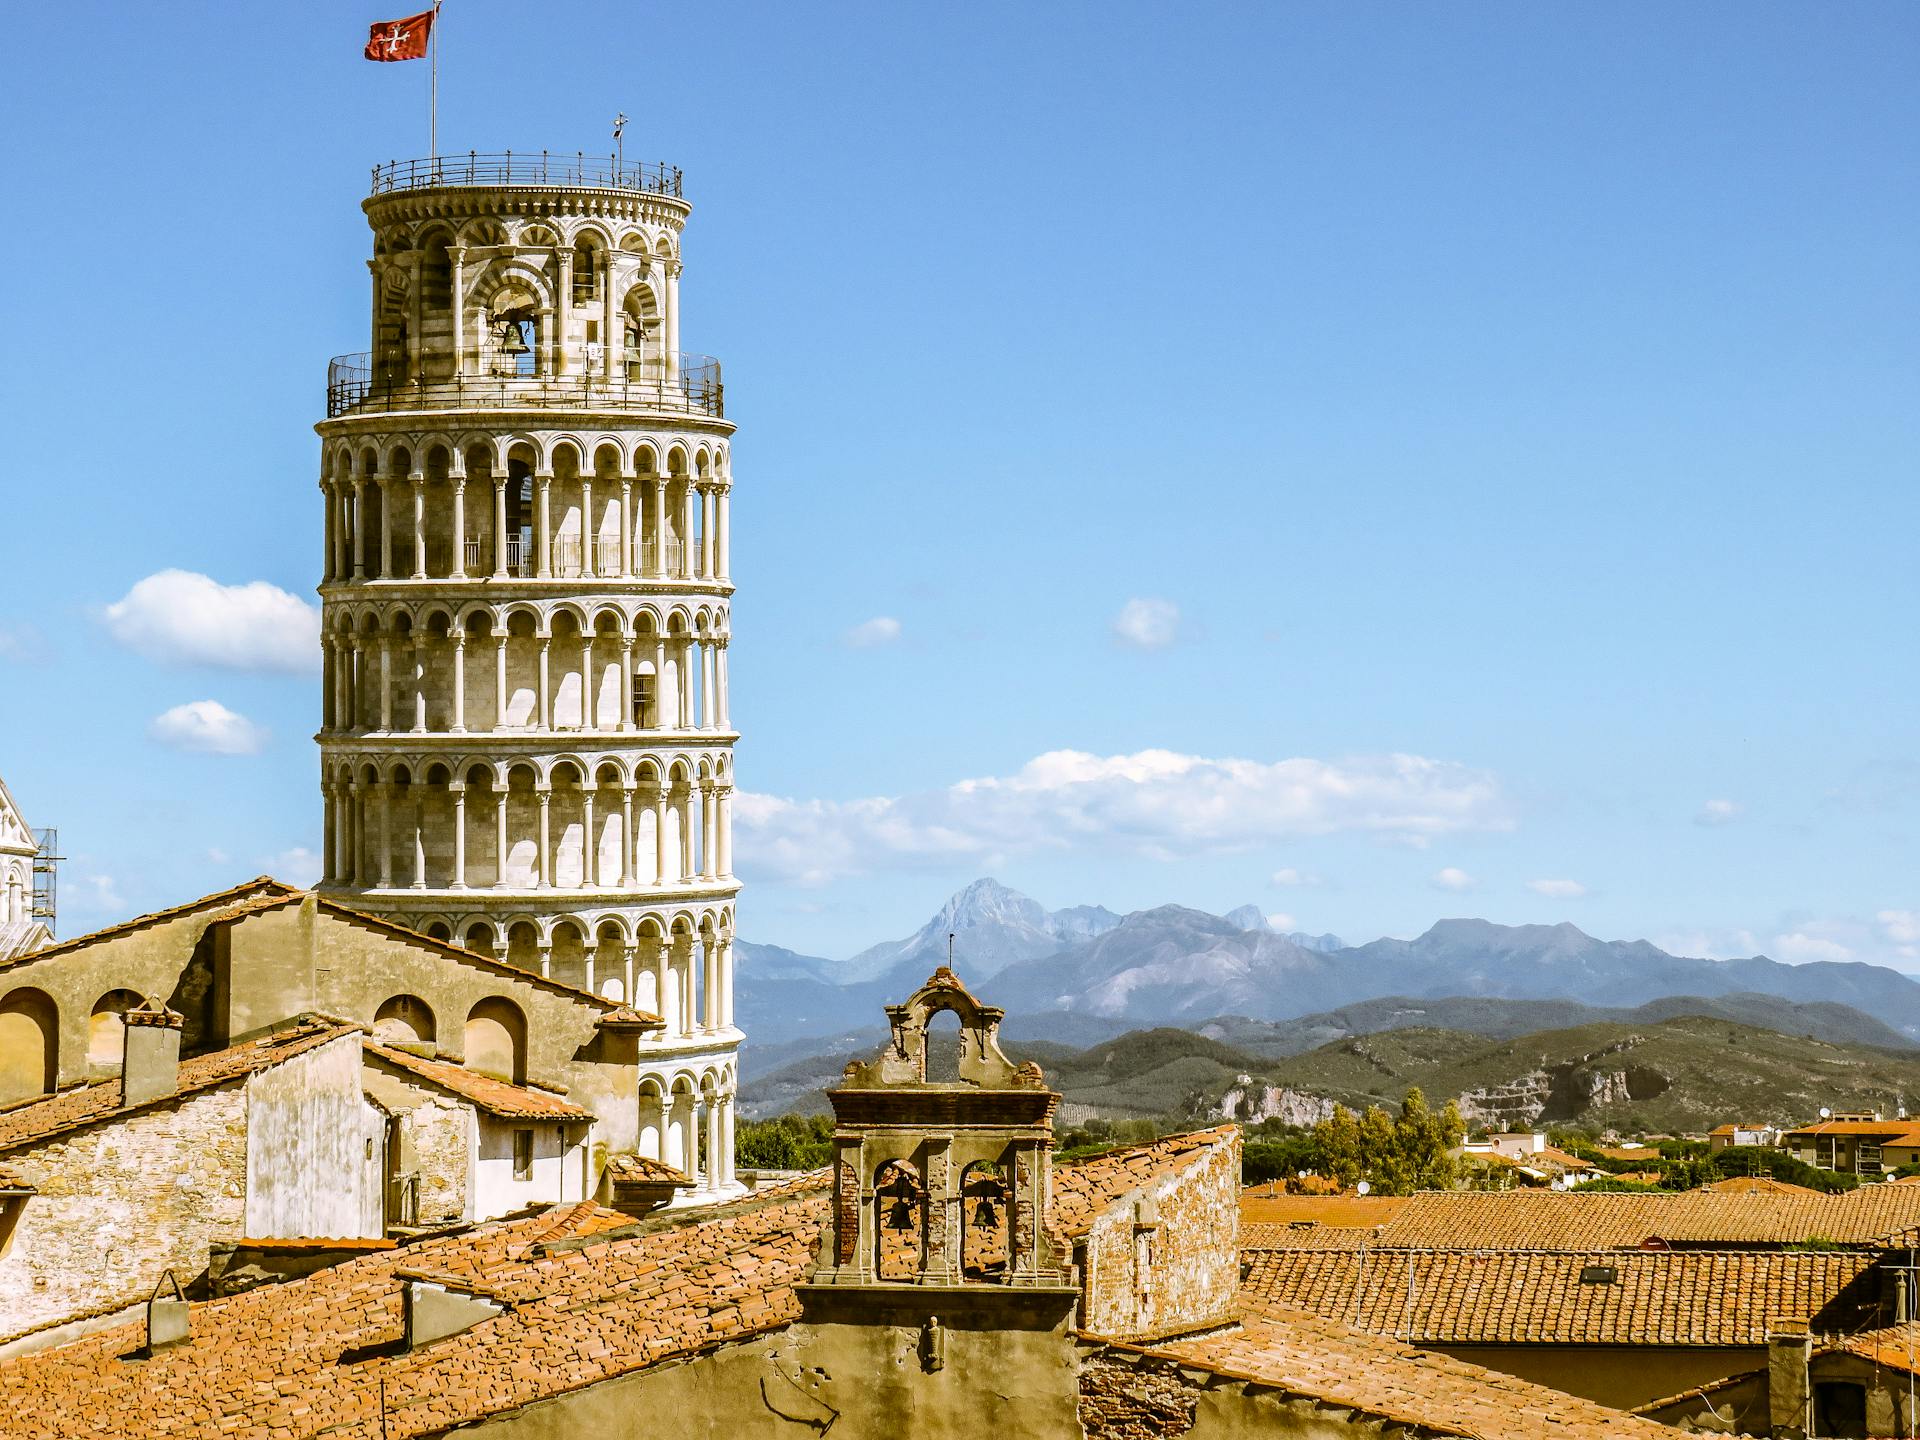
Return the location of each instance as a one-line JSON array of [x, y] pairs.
[[299, 958], [437, 1140], [1622, 1376], [121, 1202], [858, 1380], [316, 1150], [558, 1172], [1182, 1272], [156, 959]]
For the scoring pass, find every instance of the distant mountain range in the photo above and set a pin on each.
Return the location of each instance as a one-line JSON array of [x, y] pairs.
[[1681, 1073], [1083, 975]]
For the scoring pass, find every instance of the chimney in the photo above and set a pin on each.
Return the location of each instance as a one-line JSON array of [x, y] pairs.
[[169, 1321], [150, 1064], [1789, 1346], [434, 1310]]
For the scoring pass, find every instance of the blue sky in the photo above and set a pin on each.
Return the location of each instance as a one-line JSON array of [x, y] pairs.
[[1286, 388]]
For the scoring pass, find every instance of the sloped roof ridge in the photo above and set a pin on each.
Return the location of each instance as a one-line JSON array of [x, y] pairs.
[[152, 917], [1302, 1354], [500, 1097], [445, 947], [98, 1101]]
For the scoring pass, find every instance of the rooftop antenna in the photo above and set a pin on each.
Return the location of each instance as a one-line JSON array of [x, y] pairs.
[[620, 142]]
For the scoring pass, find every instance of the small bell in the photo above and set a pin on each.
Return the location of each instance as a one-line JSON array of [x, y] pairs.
[[512, 342], [900, 1215], [986, 1214]]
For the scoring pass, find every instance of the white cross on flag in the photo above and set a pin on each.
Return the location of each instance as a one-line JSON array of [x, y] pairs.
[[400, 39]]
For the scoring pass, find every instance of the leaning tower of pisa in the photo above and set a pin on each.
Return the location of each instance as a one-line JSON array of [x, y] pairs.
[[526, 747]]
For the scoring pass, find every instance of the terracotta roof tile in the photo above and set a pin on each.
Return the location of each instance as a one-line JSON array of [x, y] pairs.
[[1307, 1237], [644, 1170], [1353, 1211], [87, 1104], [1755, 1185], [588, 1294], [1328, 1362], [1638, 1297], [496, 1097], [1577, 1220], [266, 1363]]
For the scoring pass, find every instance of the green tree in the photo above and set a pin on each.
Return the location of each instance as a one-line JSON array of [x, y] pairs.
[[786, 1142], [1337, 1139]]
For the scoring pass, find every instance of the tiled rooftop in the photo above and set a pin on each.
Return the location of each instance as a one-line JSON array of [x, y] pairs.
[[1355, 1211], [1546, 1220], [643, 1169], [1389, 1382], [86, 1104], [496, 1097], [1307, 1237], [1642, 1297], [589, 1293], [265, 1365], [1755, 1185]]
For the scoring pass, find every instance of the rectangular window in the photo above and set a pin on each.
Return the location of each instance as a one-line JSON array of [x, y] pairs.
[[523, 1154], [643, 701]]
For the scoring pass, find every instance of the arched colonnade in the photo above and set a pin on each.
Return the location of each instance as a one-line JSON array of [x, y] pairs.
[[500, 507], [521, 667]]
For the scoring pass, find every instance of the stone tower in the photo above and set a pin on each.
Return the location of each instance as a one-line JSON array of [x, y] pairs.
[[525, 739]]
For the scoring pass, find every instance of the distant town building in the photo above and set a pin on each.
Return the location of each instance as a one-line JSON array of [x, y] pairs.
[[24, 925]]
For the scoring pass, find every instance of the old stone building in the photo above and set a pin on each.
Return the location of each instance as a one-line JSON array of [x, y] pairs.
[[943, 1278], [526, 741], [314, 1130], [248, 960]]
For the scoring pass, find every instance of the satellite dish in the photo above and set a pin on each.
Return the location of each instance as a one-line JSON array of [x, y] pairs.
[[1362, 1188], [1825, 1113]]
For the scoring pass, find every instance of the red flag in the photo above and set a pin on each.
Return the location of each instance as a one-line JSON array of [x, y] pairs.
[[400, 39]]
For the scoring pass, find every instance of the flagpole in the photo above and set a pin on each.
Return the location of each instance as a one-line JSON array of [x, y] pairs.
[[433, 85]]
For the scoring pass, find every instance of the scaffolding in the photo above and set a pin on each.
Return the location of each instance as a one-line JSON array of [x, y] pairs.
[[46, 875]]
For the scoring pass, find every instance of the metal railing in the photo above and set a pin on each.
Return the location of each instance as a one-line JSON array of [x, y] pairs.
[[576, 171], [355, 385]]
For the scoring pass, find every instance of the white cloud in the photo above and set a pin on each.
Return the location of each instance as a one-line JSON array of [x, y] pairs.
[[881, 630], [1453, 878], [19, 641], [1155, 803], [1902, 931], [1902, 926], [1288, 878], [1719, 812], [218, 856], [208, 727], [1282, 922], [1710, 944], [1557, 889], [179, 616], [1148, 624], [1798, 946], [95, 894], [298, 866]]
